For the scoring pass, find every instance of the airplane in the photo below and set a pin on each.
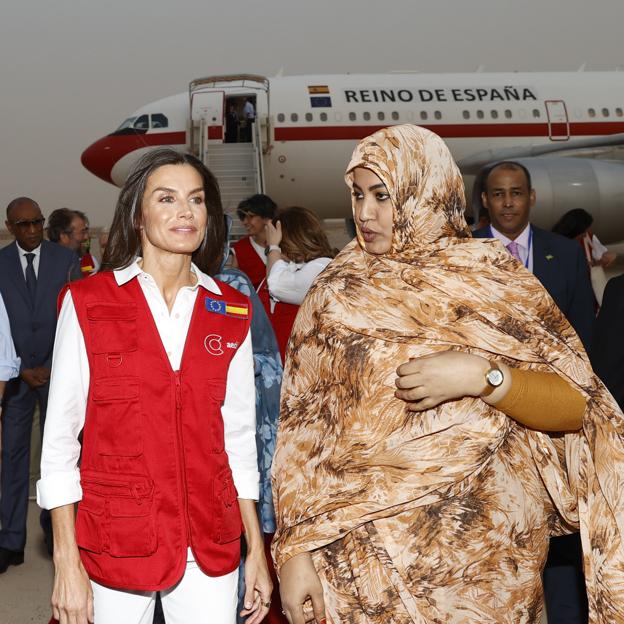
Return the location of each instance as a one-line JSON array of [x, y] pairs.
[[566, 128]]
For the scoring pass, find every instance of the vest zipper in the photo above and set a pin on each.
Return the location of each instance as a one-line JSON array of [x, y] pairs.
[[178, 399]]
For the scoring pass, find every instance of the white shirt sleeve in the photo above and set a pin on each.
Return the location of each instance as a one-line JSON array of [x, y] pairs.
[[598, 249], [9, 362], [67, 403], [239, 422], [289, 282]]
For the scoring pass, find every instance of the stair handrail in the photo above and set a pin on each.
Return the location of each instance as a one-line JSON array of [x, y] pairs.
[[257, 150]]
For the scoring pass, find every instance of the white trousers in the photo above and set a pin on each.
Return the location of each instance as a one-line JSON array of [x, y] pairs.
[[195, 599]]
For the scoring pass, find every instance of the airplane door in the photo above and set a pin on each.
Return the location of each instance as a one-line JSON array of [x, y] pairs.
[[558, 123], [207, 107]]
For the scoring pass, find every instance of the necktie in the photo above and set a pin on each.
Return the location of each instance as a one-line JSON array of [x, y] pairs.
[[514, 249], [31, 278]]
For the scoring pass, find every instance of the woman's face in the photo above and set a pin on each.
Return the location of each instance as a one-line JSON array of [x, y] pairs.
[[174, 210], [254, 224], [373, 211]]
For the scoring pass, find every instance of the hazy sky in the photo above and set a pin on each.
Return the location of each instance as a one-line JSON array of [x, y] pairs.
[[72, 70]]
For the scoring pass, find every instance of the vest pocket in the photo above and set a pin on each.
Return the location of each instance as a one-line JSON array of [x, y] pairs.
[[119, 516], [112, 327], [228, 522], [118, 416], [89, 521]]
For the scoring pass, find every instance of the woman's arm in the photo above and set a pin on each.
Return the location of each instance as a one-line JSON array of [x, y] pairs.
[[239, 424], [542, 401], [291, 286]]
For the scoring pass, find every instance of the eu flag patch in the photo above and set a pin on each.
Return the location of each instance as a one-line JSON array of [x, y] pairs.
[[320, 102], [214, 305]]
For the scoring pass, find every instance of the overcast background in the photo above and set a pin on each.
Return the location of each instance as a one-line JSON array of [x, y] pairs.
[[72, 70]]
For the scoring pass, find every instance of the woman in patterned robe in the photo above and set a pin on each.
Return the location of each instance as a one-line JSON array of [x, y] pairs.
[[443, 515]]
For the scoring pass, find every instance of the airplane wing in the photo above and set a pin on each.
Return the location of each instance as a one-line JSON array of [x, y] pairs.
[[605, 147]]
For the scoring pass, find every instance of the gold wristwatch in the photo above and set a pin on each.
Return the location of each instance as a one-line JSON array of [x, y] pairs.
[[493, 379]]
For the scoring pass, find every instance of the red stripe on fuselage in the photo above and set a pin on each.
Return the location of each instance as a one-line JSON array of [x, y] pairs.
[[451, 131], [103, 155]]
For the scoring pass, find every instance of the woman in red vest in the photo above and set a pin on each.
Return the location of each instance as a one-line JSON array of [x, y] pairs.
[[250, 253], [153, 362], [297, 252]]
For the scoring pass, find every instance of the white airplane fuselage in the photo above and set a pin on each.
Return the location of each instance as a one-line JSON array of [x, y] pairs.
[[566, 128]]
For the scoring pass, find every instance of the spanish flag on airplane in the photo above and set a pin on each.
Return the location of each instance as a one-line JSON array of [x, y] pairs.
[[315, 89]]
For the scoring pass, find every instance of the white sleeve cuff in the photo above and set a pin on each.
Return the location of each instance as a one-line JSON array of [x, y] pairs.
[[247, 483], [60, 488]]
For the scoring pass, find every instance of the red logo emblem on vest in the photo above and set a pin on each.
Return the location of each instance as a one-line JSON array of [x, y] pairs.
[[213, 344]]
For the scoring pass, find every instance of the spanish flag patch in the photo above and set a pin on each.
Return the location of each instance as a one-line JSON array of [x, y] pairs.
[[235, 310], [315, 89]]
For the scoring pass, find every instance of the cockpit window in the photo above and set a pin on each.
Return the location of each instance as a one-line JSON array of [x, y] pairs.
[[127, 123], [141, 123], [159, 121]]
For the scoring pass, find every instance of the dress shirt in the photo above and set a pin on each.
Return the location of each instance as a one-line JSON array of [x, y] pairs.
[[249, 111], [9, 362], [289, 282], [69, 387], [24, 262], [523, 241]]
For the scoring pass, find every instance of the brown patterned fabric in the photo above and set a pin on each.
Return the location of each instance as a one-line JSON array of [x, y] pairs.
[[444, 515]]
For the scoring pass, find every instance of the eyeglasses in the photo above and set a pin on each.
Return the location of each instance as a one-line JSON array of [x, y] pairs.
[[26, 224]]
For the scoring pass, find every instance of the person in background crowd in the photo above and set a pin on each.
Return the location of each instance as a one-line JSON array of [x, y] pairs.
[[298, 251], [32, 273], [162, 500], [576, 224], [70, 228], [103, 240], [441, 515], [560, 266], [9, 362], [250, 252]]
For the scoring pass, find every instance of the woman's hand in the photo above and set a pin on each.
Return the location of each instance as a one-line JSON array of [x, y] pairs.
[[273, 233], [298, 581], [72, 596], [427, 381], [258, 587]]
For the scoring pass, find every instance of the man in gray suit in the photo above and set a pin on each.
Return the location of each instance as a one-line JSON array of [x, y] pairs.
[[32, 272]]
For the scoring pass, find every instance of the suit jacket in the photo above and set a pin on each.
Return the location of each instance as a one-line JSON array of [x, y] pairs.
[[33, 326], [561, 267], [607, 350]]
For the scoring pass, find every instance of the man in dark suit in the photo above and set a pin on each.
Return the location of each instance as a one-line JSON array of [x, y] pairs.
[[32, 272], [560, 266]]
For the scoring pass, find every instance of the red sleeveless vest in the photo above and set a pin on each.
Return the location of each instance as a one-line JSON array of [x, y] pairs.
[[249, 262], [282, 318], [154, 471]]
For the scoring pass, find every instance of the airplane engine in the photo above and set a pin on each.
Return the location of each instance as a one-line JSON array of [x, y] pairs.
[[564, 183]]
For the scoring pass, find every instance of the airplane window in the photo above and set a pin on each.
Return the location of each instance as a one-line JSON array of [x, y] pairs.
[[142, 123], [323, 116], [159, 121], [281, 117], [395, 115], [536, 113], [127, 123], [423, 115], [494, 114], [591, 112], [294, 117], [605, 112], [437, 115], [507, 113], [381, 116], [352, 116], [308, 116], [480, 114], [466, 114], [366, 116], [619, 112]]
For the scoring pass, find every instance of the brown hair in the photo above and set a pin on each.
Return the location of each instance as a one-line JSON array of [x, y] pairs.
[[124, 241], [303, 237]]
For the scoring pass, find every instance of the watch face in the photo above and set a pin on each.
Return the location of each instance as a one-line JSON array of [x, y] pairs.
[[494, 377]]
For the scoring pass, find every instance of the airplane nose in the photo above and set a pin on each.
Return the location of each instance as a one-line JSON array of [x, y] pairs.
[[99, 158]]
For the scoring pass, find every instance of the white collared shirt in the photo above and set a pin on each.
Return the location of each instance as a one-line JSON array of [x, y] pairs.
[[290, 281], [9, 362], [524, 242], [22, 256], [69, 387]]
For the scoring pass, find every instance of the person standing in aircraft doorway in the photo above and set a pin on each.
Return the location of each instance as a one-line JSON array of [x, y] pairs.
[[249, 115]]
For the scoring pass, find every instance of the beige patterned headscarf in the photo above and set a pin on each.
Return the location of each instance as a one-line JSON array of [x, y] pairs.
[[349, 452]]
